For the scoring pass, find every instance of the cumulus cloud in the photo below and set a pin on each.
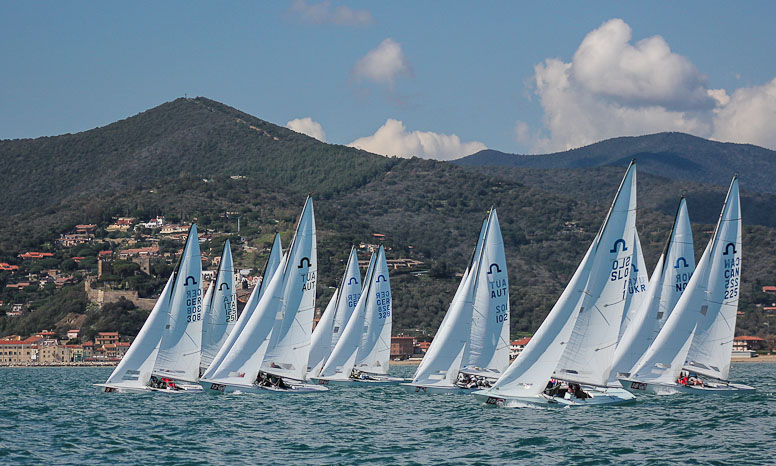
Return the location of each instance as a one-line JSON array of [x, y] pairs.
[[383, 64], [307, 126], [614, 87], [748, 116], [323, 13], [393, 139]]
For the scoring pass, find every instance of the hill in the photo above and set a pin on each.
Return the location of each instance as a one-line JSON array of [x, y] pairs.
[[428, 211], [675, 156]]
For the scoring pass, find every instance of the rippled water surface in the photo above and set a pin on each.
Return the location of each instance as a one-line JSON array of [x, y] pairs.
[[55, 416]]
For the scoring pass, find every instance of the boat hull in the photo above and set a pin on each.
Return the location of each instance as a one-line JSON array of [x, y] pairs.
[[122, 389], [295, 387], [657, 388], [376, 380], [599, 397], [432, 390]]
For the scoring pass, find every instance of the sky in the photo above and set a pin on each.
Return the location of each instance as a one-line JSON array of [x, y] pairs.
[[431, 79]]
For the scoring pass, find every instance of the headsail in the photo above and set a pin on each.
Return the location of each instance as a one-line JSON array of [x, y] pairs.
[[179, 351], [135, 368]]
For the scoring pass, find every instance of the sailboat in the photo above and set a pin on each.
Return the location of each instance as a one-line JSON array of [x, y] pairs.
[[220, 314], [165, 355], [471, 348], [669, 279], [568, 360], [333, 320], [362, 354], [691, 354], [271, 351]]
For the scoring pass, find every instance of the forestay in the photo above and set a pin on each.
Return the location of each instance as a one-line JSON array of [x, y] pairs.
[[179, 350]]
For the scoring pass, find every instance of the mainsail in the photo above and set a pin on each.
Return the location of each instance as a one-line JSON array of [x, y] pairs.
[[179, 350], [374, 352], [270, 267], [220, 309], [669, 279], [338, 311], [637, 286]]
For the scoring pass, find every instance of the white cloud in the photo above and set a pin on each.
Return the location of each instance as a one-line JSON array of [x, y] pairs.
[[749, 116], [393, 139], [614, 88], [383, 64], [307, 126], [322, 13]]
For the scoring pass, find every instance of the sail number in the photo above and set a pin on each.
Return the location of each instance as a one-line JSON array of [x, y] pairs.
[[383, 304], [308, 281], [620, 268], [502, 313], [731, 276], [193, 305], [231, 308]]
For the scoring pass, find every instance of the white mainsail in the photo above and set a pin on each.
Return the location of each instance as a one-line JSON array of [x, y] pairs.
[[374, 352], [289, 344], [637, 286], [528, 375], [588, 355], [270, 267], [488, 350], [338, 311], [712, 343], [179, 350], [669, 279], [340, 363], [220, 309], [135, 368], [704, 296]]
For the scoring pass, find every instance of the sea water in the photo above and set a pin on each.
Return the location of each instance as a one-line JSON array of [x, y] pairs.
[[56, 416]]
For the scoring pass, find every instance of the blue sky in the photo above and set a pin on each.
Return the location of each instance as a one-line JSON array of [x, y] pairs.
[[433, 79]]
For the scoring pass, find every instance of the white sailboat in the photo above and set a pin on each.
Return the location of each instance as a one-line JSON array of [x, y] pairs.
[[362, 354], [165, 355], [133, 373], [697, 338], [576, 341], [337, 313], [669, 279], [271, 351], [471, 348], [220, 314], [180, 347]]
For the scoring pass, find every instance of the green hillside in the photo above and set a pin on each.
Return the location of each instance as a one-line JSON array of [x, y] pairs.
[[429, 211]]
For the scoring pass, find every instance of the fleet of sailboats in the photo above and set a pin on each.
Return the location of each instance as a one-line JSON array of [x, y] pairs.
[[613, 332]]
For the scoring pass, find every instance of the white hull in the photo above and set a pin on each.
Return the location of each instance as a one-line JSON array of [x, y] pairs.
[[122, 389], [439, 390], [293, 387], [375, 380], [599, 396], [709, 388]]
